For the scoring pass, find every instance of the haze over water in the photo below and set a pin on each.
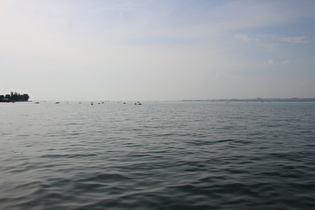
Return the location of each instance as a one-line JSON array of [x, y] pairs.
[[157, 49], [166, 155]]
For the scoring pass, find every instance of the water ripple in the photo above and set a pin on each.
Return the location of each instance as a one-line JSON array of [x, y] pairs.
[[158, 156]]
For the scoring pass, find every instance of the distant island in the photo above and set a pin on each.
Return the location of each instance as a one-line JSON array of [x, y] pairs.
[[258, 100], [14, 97]]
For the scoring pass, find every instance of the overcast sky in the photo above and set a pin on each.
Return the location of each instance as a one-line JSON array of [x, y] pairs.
[[157, 49]]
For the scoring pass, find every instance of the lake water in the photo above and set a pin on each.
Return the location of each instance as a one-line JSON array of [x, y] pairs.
[[165, 155]]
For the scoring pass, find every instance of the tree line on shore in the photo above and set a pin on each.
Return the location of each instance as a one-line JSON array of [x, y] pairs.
[[14, 97]]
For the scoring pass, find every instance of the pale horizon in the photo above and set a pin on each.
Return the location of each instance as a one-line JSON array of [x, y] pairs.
[[157, 50]]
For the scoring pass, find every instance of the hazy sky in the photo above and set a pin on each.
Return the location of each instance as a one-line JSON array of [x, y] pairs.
[[157, 49]]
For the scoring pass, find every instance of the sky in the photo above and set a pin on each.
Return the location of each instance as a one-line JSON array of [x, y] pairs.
[[157, 49]]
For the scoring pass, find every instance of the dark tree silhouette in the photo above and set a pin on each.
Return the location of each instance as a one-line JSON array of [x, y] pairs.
[[25, 97], [14, 97]]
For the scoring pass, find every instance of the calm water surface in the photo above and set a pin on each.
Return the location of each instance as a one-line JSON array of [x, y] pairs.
[[157, 156]]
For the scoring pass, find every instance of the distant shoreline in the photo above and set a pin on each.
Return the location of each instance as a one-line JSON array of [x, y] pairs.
[[14, 97], [256, 100], [13, 101]]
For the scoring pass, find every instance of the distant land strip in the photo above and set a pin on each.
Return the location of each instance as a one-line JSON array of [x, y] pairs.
[[14, 97], [258, 100]]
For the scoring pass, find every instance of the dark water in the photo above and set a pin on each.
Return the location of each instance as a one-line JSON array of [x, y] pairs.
[[157, 156]]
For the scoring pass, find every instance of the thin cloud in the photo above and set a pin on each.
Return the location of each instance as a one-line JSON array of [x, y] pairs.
[[272, 62], [116, 48], [294, 39], [285, 62], [243, 37]]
